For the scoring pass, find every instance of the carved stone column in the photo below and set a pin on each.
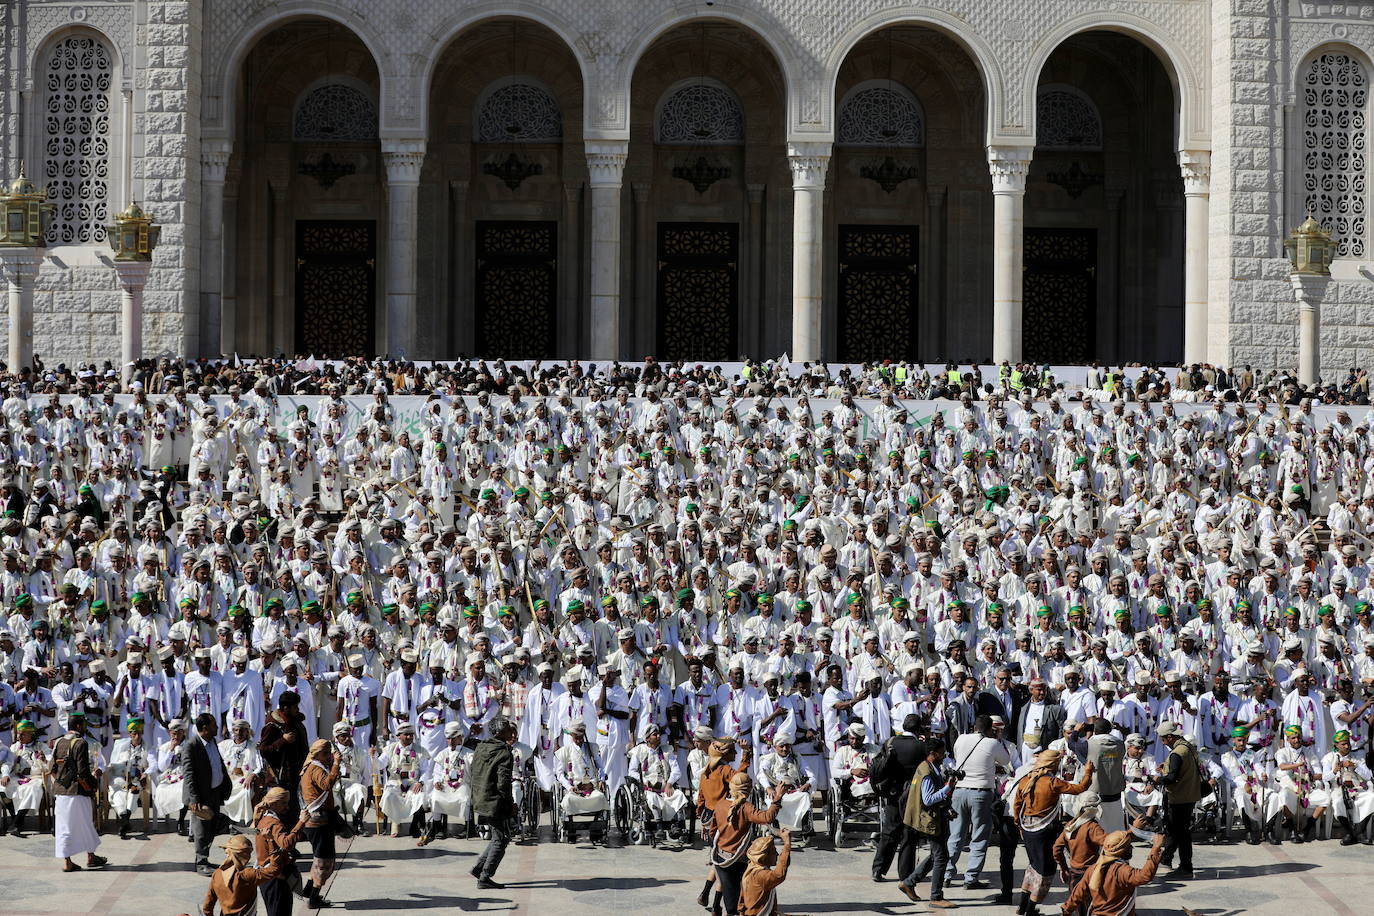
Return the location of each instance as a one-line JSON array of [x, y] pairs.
[[606, 167], [217, 334], [404, 159], [1009, 166], [809, 162], [1197, 183]]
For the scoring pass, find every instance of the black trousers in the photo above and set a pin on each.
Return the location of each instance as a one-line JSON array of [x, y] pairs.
[[1179, 826], [731, 880], [1007, 842], [276, 898], [895, 840]]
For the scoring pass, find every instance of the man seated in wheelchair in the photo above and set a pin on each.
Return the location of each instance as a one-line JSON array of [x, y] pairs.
[[782, 767], [449, 793], [1141, 795], [582, 779], [850, 766], [655, 770]]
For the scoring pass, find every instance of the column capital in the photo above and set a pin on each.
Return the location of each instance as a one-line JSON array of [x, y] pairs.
[[1009, 166], [606, 161], [809, 160], [133, 275], [1309, 289], [214, 158], [20, 265], [404, 157], [1196, 166]]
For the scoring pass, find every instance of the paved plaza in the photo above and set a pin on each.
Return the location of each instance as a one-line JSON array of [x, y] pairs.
[[153, 877]]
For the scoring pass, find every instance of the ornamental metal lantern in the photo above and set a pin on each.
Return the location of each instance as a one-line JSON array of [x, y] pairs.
[[1310, 249], [26, 213], [134, 235]]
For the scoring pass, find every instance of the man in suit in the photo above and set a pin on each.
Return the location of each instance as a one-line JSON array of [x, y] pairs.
[[894, 839], [1002, 699], [207, 787], [962, 711], [1040, 722]]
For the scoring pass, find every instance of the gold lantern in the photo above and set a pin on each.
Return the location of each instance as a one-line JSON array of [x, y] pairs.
[[26, 213], [1310, 249], [134, 234]]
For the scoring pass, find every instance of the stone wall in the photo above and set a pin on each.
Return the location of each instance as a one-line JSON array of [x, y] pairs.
[[1256, 176], [156, 46], [169, 166]]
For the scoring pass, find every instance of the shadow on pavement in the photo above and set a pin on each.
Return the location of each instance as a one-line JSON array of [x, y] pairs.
[[887, 909], [430, 852], [595, 884], [428, 902], [1227, 873]]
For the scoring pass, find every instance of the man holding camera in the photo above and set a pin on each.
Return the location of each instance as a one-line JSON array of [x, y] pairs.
[[1182, 782], [979, 755], [927, 813]]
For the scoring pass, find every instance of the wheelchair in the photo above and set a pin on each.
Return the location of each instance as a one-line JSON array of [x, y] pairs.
[[595, 824], [633, 820], [844, 812], [527, 806], [1212, 816]]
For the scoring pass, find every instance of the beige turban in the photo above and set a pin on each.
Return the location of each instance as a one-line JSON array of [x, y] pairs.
[[1116, 847], [760, 850], [237, 850]]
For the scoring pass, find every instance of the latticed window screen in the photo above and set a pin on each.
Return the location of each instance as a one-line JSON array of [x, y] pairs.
[[335, 113], [1066, 119], [519, 113], [76, 139], [517, 289], [1335, 91], [698, 290], [877, 291], [880, 116], [701, 113]]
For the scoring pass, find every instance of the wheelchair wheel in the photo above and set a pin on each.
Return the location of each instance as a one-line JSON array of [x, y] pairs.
[[622, 810], [529, 809], [556, 814], [835, 818]]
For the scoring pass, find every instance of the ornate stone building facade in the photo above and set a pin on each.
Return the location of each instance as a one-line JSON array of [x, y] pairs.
[[838, 179]]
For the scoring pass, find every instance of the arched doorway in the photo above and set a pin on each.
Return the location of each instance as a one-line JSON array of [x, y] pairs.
[[710, 183], [1103, 261], [309, 194], [501, 195], [908, 207]]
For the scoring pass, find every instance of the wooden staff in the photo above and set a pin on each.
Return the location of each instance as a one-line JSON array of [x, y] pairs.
[[377, 790]]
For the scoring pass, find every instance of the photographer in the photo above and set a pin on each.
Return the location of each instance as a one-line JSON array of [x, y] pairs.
[[980, 755], [927, 813]]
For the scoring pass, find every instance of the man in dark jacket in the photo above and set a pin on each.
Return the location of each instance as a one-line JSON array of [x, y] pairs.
[[1040, 721], [908, 752], [284, 746], [207, 787], [1004, 698], [492, 773]]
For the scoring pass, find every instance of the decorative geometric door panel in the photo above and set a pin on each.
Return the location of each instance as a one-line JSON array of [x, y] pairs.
[[878, 274], [516, 289], [1059, 293], [698, 291], [336, 287]]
